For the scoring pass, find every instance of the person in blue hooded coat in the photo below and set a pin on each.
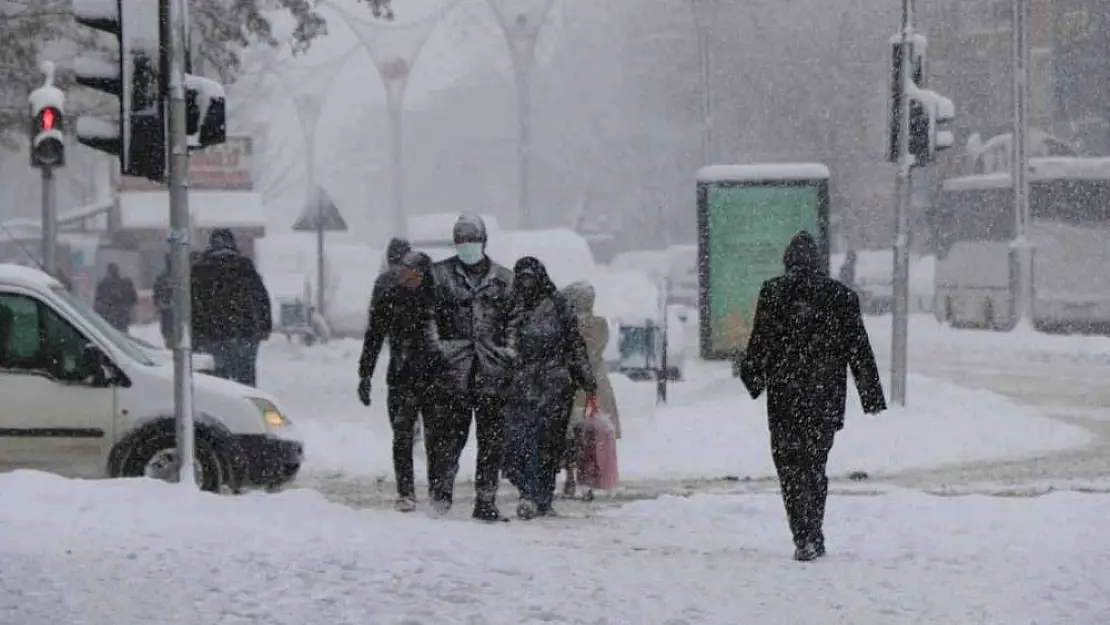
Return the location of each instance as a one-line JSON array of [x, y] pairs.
[[552, 364]]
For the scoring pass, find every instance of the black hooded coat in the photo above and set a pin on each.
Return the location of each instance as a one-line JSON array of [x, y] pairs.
[[400, 313], [808, 332], [552, 362], [230, 300]]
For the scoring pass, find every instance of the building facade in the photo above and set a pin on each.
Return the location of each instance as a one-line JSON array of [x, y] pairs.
[[971, 61]]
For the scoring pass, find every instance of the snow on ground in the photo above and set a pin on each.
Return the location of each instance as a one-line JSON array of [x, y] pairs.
[[926, 335], [710, 428], [131, 552]]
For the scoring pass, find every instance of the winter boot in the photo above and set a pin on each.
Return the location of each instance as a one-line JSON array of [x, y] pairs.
[[547, 511], [486, 510], [440, 507], [405, 504], [526, 510], [806, 553], [569, 486]]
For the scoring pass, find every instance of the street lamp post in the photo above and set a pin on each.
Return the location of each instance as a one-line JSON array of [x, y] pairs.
[[394, 49], [522, 21], [309, 104]]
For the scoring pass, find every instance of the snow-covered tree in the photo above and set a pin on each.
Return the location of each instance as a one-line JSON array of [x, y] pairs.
[[28, 28]]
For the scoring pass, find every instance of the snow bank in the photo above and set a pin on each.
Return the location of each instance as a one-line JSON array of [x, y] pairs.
[[929, 338], [710, 429], [287, 261], [565, 253], [653, 263], [132, 552]]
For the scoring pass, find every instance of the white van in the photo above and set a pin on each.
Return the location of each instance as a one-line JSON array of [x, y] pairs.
[[78, 398]]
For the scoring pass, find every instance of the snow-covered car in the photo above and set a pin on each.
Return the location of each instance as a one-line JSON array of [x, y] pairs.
[[202, 363], [81, 399]]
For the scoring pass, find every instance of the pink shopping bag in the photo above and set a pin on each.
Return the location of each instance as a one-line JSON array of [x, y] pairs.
[[597, 451]]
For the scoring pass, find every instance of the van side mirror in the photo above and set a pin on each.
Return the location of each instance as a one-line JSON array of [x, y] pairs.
[[96, 369]]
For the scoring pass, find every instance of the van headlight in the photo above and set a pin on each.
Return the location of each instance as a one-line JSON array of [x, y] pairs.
[[271, 416]]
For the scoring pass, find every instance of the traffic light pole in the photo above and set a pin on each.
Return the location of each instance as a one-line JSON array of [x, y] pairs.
[[179, 242], [899, 345], [49, 222]]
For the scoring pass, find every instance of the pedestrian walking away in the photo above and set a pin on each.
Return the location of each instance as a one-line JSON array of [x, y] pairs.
[[231, 308], [115, 298], [552, 363], [808, 331], [400, 306], [469, 333], [595, 331], [163, 303]]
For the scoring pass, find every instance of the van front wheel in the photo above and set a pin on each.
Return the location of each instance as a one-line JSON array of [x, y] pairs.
[[156, 457]]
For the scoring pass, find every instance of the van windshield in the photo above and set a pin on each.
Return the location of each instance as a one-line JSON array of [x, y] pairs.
[[124, 343]]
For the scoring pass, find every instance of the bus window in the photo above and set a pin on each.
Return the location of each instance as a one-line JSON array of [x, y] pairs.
[[1074, 202], [972, 215]]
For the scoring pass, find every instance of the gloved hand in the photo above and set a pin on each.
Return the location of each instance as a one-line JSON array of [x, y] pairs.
[[364, 391]]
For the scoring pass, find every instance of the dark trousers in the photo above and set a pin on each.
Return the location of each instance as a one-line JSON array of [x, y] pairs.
[[446, 428], [800, 456], [405, 405], [234, 358], [536, 447]]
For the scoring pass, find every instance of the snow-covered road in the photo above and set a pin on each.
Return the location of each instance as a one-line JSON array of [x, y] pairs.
[[133, 552]]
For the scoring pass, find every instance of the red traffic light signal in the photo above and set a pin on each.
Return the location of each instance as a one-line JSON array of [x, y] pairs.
[[46, 119]]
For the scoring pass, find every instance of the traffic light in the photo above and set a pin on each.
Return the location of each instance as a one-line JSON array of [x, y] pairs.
[[205, 112], [898, 87], [47, 125], [136, 79], [928, 109]]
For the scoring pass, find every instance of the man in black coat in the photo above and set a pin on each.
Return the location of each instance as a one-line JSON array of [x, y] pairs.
[[808, 331], [399, 309], [163, 303], [469, 333], [115, 298], [231, 308]]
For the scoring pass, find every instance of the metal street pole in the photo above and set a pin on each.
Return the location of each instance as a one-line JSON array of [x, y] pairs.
[[309, 106], [179, 242], [394, 49], [701, 29], [49, 222], [1019, 165], [396, 116], [903, 190], [522, 27], [522, 77], [661, 377]]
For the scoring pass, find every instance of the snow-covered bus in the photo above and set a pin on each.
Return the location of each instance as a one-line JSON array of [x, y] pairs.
[[973, 228]]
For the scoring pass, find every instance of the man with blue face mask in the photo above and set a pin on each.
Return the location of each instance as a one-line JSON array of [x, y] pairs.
[[469, 333]]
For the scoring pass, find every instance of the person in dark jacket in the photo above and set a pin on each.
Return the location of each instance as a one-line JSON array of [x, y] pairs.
[[808, 331], [469, 333], [163, 303], [231, 308], [552, 364], [848, 270], [399, 308], [115, 298]]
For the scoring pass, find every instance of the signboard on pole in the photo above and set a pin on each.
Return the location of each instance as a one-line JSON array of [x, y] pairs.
[[223, 167], [320, 213], [746, 217]]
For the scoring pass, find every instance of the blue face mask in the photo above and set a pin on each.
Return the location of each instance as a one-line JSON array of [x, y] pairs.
[[470, 253]]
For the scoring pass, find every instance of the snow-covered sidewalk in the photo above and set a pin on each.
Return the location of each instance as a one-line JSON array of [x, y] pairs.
[[710, 428], [134, 552]]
